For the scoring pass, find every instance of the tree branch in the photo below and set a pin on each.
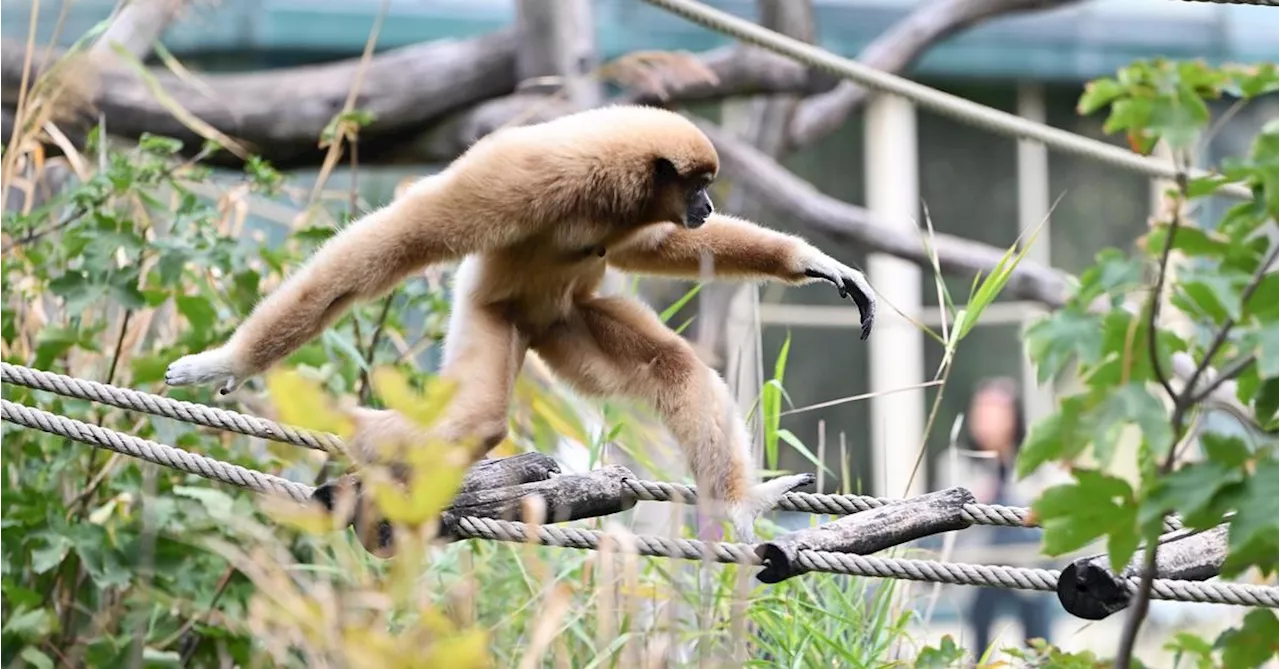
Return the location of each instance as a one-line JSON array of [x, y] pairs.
[[894, 51], [282, 113]]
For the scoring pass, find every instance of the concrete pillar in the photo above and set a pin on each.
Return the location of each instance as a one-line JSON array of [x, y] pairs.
[[1033, 210], [897, 347]]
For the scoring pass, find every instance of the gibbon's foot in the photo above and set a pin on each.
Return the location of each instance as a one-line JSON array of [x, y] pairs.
[[764, 496], [206, 367], [850, 282]]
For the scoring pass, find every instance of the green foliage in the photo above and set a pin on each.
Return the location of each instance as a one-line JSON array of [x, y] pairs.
[[1111, 338], [105, 559]]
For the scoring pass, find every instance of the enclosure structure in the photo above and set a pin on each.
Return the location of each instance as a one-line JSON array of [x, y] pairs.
[[1030, 65]]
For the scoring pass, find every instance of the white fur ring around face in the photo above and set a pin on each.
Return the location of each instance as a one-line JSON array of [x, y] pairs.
[[206, 367]]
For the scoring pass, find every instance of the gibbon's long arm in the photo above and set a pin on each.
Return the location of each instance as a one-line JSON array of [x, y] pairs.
[[739, 249], [361, 262]]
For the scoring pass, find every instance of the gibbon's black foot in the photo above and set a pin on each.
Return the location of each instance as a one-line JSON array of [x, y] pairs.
[[851, 283]]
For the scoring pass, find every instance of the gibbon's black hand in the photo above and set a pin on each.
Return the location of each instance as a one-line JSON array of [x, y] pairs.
[[851, 283]]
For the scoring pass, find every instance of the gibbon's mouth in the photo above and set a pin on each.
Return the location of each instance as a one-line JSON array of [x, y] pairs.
[[693, 222]]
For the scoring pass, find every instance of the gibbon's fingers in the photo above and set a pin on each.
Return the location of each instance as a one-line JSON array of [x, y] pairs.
[[850, 282]]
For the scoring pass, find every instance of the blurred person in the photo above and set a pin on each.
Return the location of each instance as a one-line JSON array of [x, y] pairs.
[[994, 430]]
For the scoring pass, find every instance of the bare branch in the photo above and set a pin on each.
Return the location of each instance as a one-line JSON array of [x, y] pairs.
[[137, 25], [283, 112], [895, 50]]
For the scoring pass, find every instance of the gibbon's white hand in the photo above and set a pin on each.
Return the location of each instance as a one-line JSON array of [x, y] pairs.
[[849, 281], [206, 367]]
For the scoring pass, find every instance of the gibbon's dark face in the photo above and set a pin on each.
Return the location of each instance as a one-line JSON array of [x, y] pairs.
[[682, 198]]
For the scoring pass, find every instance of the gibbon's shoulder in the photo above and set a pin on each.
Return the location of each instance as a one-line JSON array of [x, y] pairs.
[[617, 134]]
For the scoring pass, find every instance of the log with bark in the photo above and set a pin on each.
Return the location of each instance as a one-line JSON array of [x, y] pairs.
[[1088, 588]]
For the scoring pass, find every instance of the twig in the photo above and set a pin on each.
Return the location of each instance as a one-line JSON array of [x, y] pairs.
[[1142, 598], [1156, 295], [1228, 373]]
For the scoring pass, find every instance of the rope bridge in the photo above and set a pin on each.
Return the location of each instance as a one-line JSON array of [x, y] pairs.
[[494, 490]]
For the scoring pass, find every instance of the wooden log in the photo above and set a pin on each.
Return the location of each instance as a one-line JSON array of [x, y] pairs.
[[867, 532], [1088, 588], [483, 475], [569, 497]]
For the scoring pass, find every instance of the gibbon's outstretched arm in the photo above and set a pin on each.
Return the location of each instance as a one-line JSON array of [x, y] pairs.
[[361, 262], [740, 249]]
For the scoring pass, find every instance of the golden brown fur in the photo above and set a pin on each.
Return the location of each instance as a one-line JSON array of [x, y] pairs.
[[535, 214]]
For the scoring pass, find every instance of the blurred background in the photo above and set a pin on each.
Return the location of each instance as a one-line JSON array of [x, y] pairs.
[[444, 72]]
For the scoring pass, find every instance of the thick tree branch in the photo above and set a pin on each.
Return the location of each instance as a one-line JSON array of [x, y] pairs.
[[894, 51], [281, 113], [137, 25], [740, 71]]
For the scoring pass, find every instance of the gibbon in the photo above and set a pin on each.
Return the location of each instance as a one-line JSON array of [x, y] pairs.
[[535, 214]]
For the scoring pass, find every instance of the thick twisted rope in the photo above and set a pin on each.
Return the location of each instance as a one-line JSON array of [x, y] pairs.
[[956, 573], [654, 491], [160, 454], [843, 505], [500, 530], [965, 111], [1256, 3], [156, 405]]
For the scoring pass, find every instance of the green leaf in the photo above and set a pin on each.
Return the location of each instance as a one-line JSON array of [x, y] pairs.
[[1111, 274], [218, 504], [198, 311], [1097, 93], [36, 658], [1130, 404], [1127, 355], [1266, 341], [1058, 436], [1253, 643], [1098, 504], [945, 655], [795, 443], [679, 304], [1254, 538], [28, 623], [1264, 304], [51, 554], [1054, 339], [1197, 492]]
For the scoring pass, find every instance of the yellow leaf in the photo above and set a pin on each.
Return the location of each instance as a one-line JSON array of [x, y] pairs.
[[557, 421], [422, 408], [466, 649], [308, 519], [301, 402], [505, 448]]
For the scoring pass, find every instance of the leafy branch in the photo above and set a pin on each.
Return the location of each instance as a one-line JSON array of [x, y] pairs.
[[1227, 290]]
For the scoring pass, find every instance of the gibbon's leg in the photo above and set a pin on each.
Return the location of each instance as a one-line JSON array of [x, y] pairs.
[[363, 261], [616, 346], [483, 355], [732, 248]]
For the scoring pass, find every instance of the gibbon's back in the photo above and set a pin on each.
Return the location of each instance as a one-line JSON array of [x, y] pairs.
[[597, 162]]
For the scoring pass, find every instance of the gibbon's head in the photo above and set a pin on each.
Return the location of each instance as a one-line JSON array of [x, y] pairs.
[[684, 163], [645, 164]]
